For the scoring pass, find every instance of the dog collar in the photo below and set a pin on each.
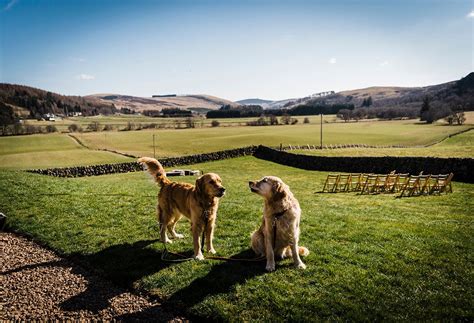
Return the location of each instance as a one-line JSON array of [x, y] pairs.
[[279, 214]]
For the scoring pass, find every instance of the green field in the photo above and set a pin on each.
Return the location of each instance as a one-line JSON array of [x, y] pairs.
[[118, 122], [55, 150], [372, 257], [52, 150], [461, 145], [191, 141]]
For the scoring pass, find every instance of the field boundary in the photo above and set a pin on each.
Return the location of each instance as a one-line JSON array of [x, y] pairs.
[[104, 169], [342, 146], [461, 167]]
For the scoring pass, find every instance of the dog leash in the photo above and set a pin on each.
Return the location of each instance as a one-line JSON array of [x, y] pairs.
[[182, 258]]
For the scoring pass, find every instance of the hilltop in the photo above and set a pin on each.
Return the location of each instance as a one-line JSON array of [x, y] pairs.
[[197, 102]]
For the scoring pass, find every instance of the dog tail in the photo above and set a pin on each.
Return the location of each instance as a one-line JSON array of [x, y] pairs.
[[155, 169], [303, 251]]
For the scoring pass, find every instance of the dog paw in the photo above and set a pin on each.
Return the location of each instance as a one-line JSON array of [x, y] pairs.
[[167, 240], [199, 257], [270, 267], [213, 251], [301, 266], [178, 236]]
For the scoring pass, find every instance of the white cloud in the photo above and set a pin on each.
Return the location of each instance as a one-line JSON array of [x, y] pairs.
[[471, 14], [9, 5], [332, 60], [384, 63], [77, 59], [85, 77]]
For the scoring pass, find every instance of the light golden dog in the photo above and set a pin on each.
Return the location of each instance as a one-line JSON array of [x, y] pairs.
[[199, 203], [280, 230]]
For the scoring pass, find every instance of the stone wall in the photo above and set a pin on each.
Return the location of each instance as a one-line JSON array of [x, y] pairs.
[[461, 167], [104, 169]]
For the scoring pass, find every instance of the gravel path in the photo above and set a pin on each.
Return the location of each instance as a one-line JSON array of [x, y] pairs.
[[36, 284]]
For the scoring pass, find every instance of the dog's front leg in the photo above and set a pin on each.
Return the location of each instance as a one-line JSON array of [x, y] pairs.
[[295, 250], [209, 237], [269, 254], [197, 229]]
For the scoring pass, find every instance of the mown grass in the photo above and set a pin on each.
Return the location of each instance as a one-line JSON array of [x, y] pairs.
[[53, 150], [461, 146], [372, 257], [190, 141]]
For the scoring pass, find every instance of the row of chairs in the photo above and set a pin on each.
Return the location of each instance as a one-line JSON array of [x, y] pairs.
[[405, 184]]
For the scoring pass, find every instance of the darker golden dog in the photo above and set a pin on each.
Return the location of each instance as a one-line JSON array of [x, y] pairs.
[[199, 203]]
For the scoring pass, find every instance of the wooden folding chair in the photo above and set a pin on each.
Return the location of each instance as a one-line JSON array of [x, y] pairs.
[[343, 183], [441, 183], [355, 184], [411, 186], [362, 180], [390, 182], [379, 185], [424, 184], [401, 181], [369, 185], [331, 183]]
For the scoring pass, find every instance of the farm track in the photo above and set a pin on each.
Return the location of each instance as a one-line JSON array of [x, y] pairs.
[[39, 285], [78, 141]]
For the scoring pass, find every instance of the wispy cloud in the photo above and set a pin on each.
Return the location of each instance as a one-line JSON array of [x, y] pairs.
[[471, 14], [384, 63], [332, 60], [85, 77], [78, 59], [9, 5]]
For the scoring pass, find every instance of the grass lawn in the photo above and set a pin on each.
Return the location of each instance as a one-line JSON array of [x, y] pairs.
[[52, 150], [372, 257], [190, 141], [461, 145]]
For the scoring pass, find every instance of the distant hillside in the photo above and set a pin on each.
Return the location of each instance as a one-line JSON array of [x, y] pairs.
[[459, 92], [195, 102], [27, 101]]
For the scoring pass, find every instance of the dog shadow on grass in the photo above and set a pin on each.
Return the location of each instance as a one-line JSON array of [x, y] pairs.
[[220, 279], [125, 264], [122, 264]]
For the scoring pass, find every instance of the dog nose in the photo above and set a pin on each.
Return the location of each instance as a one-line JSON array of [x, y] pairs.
[[222, 189], [250, 183]]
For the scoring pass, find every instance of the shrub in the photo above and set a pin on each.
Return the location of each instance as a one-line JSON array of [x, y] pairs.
[[94, 126], [190, 122], [74, 128], [50, 128], [306, 120], [108, 127], [285, 119], [215, 123]]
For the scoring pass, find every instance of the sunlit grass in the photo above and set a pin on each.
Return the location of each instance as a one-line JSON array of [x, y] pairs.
[[372, 257]]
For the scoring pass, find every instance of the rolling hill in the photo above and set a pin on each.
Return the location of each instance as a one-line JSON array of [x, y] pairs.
[[198, 102], [453, 92]]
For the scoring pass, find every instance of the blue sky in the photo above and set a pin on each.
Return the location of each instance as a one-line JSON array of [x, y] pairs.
[[233, 49]]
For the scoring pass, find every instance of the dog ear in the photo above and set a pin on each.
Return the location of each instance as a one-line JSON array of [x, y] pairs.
[[279, 191], [200, 187]]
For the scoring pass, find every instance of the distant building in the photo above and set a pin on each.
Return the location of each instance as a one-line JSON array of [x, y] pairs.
[[49, 117]]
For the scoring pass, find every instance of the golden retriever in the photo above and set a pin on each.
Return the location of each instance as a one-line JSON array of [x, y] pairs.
[[280, 229], [199, 203]]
